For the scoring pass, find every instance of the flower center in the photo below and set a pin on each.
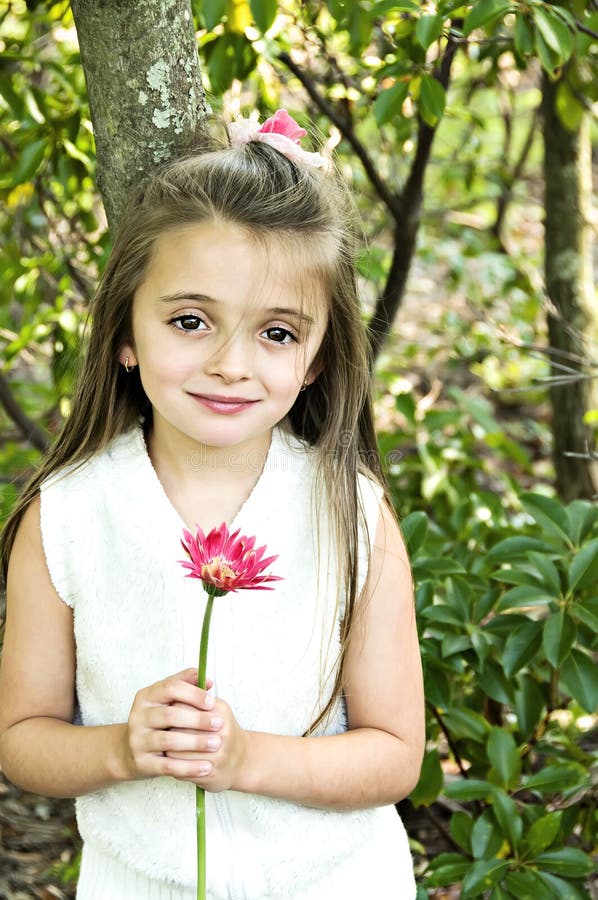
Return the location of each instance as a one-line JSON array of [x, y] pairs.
[[217, 570]]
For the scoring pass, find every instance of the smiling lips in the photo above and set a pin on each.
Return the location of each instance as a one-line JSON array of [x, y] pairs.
[[224, 405]]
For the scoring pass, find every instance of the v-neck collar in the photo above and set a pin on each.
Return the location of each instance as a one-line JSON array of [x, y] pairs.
[[155, 489]]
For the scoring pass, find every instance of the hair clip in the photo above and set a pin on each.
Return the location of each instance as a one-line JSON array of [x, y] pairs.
[[280, 131]]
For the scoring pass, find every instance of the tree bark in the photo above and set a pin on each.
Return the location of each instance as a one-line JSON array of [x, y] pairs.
[[572, 322], [144, 83]]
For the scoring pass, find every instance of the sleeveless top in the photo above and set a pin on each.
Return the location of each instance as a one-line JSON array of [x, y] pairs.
[[112, 540]]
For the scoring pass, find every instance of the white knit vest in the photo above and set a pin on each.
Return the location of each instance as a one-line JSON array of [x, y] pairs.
[[112, 541]]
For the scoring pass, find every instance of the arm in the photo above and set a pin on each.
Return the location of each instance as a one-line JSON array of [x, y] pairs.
[[377, 761], [39, 747]]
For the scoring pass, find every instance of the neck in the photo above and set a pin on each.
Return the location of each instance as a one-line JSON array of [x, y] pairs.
[[188, 461]]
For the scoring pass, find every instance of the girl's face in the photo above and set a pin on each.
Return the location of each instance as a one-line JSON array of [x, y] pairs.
[[222, 337]]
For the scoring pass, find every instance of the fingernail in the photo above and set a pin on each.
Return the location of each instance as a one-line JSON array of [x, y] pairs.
[[209, 702], [204, 768], [216, 722], [213, 743]]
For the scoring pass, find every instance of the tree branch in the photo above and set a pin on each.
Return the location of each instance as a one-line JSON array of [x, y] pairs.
[[390, 200], [505, 196], [449, 739], [32, 432], [407, 223]]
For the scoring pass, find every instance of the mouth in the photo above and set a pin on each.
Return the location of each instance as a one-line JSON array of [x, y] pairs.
[[224, 405]]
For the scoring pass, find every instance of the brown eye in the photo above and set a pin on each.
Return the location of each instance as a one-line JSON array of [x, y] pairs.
[[187, 323], [279, 335]]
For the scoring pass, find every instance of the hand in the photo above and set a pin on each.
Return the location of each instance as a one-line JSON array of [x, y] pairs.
[[169, 717], [217, 746]]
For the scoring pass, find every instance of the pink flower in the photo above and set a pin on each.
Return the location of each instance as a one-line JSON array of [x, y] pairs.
[[226, 562], [282, 123], [280, 131]]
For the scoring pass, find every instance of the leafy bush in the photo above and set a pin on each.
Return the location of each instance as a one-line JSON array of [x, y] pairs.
[[508, 627]]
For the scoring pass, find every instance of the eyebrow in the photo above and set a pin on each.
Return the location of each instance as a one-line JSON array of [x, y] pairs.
[[203, 298]]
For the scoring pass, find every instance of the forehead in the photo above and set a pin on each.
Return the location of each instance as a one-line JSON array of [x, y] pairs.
[[223, 260]]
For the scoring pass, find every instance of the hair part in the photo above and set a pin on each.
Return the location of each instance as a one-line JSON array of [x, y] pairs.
[[275, 200]]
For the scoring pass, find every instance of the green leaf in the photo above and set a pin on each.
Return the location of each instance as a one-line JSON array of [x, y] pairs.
[[542, 833], [504, 757], [460, 826], [469, 789], [524, 36], [586, 612], [529, 704], [486, 839], [455, 643], [525, 884], [405, 402], [500, 893], [521, 647], [483, 13], [264, 13], [440, 612], [389, 103], [428, 29], [547, 57], [567, 861], [383, 6], [562, 890], [578, 677], [213, 12], [414, 528], [548, 572], [584, 568], [525, 595], [437, 565], [446, 873], [516, 548], [559, 636], [555, 778], [548, 513], [465, 723], [507, 816], [582, 514], [432, 100], [495, 684], [482, 876], [30, 160], [554, 32], [431, 781]]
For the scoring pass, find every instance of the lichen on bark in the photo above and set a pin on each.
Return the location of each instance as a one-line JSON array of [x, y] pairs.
[[144, 84]]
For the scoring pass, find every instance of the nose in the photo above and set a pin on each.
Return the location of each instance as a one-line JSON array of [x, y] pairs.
[[232, 361]]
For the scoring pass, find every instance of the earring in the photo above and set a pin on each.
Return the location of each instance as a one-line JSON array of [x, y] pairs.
[[128, 368], [304, 385]]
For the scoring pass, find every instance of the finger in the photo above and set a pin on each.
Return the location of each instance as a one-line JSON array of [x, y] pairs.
[[176, 689], [183, 741], [182, 716], [191, 745], [184, 769], [190, 675]]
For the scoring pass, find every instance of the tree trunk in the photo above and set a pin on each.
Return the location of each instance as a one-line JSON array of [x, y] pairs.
[[144, 84], [572, 322]]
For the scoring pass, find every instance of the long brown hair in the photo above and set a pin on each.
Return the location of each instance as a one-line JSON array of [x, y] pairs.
[[273, 198]]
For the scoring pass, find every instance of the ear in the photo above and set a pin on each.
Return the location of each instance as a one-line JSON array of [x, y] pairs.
[[126, 354], [312, 373]]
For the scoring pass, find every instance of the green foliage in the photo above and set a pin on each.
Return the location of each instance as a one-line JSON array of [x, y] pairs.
[[508, 629], [51, 228], [506, 575]]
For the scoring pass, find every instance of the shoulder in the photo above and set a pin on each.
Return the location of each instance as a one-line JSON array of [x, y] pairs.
[[109, 460]]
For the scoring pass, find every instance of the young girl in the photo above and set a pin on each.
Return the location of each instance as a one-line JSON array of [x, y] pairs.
[[225, 379]]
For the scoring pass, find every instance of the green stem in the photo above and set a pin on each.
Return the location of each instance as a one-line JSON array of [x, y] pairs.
[[200, 794]]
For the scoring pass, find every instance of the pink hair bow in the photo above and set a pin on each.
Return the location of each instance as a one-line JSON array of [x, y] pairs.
[[280, 131]]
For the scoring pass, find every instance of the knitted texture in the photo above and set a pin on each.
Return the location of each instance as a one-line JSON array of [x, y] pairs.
[[111, 539]]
